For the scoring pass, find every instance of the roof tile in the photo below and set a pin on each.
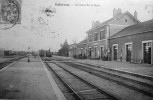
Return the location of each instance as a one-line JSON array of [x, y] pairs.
[[134, 29]]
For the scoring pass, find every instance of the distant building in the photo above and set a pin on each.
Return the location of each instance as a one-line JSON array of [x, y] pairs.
[[2, 52], [82, 49], [8, 52], [97, 41], [72, 50], [133, 44]]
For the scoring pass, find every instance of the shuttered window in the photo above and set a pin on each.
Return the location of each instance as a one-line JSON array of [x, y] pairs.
[[90, 38], [95, 36], [102, 34]]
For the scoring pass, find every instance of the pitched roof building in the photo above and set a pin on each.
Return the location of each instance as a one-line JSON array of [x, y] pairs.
[[82, 49], [72, 49]]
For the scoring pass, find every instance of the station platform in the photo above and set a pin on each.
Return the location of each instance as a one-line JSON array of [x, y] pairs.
[[142, 69], [24, 80]]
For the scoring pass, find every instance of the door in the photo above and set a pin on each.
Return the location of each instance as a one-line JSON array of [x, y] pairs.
[[115, 52], [128, 52], [147, 52], [89, 52], [101, 50], [95, 52]]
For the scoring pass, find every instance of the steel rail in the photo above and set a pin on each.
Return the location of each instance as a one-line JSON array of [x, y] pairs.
[[74, 93], [6, 62], [117, 81], [113, 97]]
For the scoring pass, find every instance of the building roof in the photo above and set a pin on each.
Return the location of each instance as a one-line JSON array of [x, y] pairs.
[[83, 42], [102, 24], [112, 20], [135, 29], [72, 46]]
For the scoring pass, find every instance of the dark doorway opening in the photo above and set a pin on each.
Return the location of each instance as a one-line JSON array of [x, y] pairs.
[[95, 52], [115, 52], [90, 52], [102, 53], [147, 52], [128, 52]]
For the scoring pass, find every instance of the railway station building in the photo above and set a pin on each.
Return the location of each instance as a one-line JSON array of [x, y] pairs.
[[133, 44], [98, 35]]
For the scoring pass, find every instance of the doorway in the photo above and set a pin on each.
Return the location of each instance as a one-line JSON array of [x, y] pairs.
[[89, 52], [115, 49], [128, 51], [102, 52], [95, 51], [147, 52]]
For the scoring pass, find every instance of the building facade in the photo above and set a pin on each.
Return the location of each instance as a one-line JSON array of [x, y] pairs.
[[82, 49], [133, 44], [72, 50], [98, 35]]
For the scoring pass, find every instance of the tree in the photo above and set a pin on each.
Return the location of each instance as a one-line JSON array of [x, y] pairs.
[[64, 49], [74, 48]]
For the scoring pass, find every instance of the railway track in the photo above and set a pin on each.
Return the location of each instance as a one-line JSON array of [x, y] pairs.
[[79, 87], [7, 62], [3, 64], [134, 82]]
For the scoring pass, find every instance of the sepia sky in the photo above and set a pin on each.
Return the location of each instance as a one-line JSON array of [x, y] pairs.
[[40, 30]]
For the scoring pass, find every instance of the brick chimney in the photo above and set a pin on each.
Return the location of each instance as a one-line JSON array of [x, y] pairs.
[[135, 14], [117, 12]]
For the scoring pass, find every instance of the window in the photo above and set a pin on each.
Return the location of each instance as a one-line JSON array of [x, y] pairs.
[[90, 38], [126, 20], [95, 36], [102, 35]]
